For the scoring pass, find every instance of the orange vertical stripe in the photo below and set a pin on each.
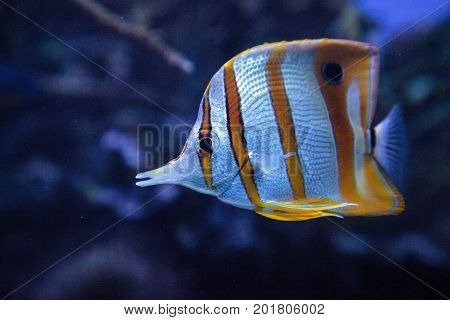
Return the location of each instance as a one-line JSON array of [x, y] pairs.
[[355, 62], [236, 133], [205, 132], [285, 122], [335, 99]]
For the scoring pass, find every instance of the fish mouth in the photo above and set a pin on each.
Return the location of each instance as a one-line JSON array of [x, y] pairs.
[[164, 175], [145, 179]]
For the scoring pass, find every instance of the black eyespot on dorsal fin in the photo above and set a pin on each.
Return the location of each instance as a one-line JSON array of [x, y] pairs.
[[332, 73]]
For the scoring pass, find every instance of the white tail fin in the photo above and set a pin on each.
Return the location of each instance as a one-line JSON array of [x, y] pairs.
[[391, 145]]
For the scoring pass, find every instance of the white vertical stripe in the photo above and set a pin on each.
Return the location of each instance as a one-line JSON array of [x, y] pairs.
[[260, 126], [315, 139], [373, 79], [225, 171], [354, 115]]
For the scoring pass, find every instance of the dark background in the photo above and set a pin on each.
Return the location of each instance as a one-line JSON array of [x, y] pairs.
[[68, 157]]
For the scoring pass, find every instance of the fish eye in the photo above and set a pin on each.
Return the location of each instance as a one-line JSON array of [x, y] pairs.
[[205, 145], [332, 73]]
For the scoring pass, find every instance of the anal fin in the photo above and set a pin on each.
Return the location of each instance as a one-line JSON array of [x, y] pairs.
[[307, 205], [305, 209], [288, 216]]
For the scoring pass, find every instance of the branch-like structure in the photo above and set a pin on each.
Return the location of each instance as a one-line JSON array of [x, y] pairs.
[[138, 33]]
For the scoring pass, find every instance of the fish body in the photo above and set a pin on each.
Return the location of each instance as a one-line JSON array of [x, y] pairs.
[[285, 129]]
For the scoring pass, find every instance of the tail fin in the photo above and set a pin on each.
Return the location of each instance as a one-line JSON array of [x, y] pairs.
[[391, 145]]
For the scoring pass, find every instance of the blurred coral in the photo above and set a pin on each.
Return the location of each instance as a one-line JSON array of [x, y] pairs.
[[136, 32]]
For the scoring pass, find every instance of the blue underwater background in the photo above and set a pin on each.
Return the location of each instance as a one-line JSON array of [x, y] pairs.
[[70, 135]]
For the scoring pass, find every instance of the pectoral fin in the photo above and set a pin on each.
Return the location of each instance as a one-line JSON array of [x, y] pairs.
[[266, 164]]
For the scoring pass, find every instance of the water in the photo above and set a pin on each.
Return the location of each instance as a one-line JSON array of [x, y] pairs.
[[68, 158]]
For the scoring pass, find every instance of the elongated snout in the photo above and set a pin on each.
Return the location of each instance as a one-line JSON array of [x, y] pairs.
[[184, 170], [167, 174]]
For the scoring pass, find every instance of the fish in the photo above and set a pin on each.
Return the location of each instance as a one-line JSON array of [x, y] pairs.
[[286, 129]]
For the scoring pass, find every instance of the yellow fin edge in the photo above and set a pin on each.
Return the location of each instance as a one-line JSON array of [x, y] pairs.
[[300, 210], [286, 216]]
